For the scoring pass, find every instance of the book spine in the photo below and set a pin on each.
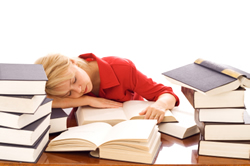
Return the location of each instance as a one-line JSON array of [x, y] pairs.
[[219, 68]]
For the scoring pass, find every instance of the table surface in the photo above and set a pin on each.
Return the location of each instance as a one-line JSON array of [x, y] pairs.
[[173, 151]]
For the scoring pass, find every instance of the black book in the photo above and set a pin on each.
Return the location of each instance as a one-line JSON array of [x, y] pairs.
[[20, 120], [22, 79], [208, 78], [23, 153], [58, 120], [20, 103], [25, 136]]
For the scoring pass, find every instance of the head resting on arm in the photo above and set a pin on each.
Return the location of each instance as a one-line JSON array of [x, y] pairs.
[[56, 67]]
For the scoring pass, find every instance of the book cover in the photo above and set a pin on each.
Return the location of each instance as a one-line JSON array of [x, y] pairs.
[[22, 79], [230, 99], [20, 120], [27, 135], [226, 131], [58, 120], [23, 103], [21, 153], [185, 127], [205, 77], [22, 72], [229, 149]]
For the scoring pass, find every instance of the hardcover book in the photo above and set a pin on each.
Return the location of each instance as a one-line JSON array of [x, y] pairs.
[[186, 126], [25, 136], [208, 78], [223, 115], [22, 153], [230, 99], [20, 120], [20, 103], [226, 131], [229, 149], [22, 79], [58, 120]]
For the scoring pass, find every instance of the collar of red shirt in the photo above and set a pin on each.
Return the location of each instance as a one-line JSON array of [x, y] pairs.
[[107, 75]]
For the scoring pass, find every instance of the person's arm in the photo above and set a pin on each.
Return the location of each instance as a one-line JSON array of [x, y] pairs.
[[157, 110], [84, 100]]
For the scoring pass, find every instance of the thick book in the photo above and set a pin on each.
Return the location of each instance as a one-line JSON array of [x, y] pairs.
[[223, 115], [229, 149], [186, 126], [25, 136], [58, 120], [20, 103], [22, 79], [21, 153], [129, 111], [226, 131], [228, 99], [133, 140], [20, 120], [208, 77]]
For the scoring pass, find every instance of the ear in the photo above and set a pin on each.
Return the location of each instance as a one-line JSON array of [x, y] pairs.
[[73, 61]]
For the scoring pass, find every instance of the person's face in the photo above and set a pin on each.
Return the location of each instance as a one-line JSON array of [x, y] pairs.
[[78, 85]]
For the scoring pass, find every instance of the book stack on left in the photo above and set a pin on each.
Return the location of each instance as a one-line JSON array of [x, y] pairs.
[[24, 112], [217, 93]]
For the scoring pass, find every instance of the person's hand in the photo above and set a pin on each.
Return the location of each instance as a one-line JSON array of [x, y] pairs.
[[154, 111], [103, 103]]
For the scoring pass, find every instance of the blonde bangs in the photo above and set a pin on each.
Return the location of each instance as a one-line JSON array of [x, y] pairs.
[[53, 84], [56, 67]]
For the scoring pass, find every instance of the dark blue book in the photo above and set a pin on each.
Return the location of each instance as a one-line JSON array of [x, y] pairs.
[[22, 79], [208, 78]]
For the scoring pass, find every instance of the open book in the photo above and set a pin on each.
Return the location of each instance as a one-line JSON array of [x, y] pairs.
[[133, 140], [208, 77], [129, 111]]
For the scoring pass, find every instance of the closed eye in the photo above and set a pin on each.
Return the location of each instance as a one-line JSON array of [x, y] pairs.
[[75, 79], [69, 93]]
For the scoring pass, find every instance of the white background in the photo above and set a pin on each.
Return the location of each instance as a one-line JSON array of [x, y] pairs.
[[157, 35]]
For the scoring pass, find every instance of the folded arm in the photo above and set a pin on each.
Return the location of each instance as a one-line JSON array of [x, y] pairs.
[[59, 102]]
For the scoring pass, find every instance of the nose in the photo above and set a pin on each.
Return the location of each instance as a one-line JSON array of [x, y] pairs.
[[77, 88]]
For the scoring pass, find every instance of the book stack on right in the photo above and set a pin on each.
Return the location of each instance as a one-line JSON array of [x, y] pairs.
[[218, 95], [24, 112]]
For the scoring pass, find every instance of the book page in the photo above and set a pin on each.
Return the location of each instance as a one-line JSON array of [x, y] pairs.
[[94, 132], [132, 108], [90, 114], [131, 130]]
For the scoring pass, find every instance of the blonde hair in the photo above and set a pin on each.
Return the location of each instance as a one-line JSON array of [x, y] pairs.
[[56, 68]]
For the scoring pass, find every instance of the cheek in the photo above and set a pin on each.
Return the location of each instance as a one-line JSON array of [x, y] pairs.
[[84, 78], [75, 96]]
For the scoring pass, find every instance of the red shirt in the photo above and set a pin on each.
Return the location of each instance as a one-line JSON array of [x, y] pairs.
[[121, 81]]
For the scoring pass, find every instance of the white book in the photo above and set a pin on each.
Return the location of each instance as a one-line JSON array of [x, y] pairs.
[[20, 120], [132, 140], [129, 111]]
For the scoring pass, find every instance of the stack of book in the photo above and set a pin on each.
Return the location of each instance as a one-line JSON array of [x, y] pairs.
[[24, 112], [217, 93]]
